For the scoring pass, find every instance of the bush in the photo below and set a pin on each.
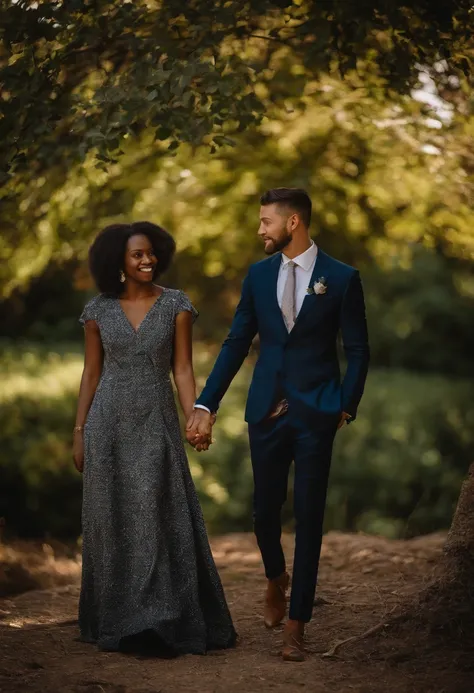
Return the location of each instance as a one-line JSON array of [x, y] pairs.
[[396, 471], [40, 492]]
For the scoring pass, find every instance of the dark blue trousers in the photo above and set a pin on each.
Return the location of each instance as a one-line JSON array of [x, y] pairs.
[[274, 445]]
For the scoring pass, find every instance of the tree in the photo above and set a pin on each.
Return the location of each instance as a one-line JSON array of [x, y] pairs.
[[443, 609], [447, 603], [80, 76], [84, 81]]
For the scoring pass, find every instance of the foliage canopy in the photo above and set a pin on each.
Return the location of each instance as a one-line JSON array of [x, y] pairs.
[[81, 75]]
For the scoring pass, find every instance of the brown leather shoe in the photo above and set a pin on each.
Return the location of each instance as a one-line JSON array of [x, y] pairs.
[[293, 641], [275, 601]]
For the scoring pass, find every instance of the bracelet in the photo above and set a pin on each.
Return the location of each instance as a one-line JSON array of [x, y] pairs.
[[76, 429]]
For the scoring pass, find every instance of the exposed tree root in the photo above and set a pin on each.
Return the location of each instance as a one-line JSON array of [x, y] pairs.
[[354, 638]]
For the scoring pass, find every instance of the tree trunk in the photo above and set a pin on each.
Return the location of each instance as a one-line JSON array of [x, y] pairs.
[[444, 610], [447, 604]]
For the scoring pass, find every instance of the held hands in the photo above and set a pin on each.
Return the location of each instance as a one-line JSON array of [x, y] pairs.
[[199, 429]]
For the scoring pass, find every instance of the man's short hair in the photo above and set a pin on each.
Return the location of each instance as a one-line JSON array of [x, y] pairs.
[[296, 199]]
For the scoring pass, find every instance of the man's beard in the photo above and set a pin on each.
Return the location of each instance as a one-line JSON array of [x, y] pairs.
[[278, 245]]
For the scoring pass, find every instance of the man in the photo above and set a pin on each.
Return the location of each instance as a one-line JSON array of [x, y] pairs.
[[297, 300]]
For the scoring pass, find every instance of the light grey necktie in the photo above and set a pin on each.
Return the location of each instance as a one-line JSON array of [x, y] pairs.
[[288, 301]]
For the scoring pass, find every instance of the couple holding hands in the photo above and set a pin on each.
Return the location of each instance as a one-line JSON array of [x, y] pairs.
[[149, 580]]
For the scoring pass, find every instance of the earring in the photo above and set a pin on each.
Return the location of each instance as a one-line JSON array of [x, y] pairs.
[[122, 276]]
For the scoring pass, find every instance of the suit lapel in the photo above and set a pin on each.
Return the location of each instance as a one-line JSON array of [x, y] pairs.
[[271, 285], [321, 269]]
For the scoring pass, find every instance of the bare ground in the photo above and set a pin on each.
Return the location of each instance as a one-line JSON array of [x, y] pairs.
[[362, 579]]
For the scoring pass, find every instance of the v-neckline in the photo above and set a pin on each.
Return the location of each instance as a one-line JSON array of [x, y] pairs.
[[137, 330]]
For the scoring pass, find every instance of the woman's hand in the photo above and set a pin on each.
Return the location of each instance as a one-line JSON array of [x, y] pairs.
[[94, 357], [78, 450]]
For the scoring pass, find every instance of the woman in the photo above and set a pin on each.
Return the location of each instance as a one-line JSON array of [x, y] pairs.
[[148, 576]]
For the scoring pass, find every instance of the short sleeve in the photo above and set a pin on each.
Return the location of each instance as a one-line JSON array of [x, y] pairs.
[[183, 304], [91, 311]]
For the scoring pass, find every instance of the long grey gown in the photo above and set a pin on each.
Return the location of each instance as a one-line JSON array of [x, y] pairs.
[[147, 565]]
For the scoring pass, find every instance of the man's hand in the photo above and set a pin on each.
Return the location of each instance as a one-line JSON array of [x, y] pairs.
[[343, 419], [199, 429]]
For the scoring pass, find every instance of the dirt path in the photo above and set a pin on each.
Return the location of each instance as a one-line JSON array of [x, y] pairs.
[[361, 580]]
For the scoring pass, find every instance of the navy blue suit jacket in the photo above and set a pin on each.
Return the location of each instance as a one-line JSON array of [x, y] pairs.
[[302, 364]]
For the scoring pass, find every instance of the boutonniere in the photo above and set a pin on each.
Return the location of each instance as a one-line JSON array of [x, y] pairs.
[[319, 287]]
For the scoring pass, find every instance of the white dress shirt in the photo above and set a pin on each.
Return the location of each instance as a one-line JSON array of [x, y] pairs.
[[304, 269]]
